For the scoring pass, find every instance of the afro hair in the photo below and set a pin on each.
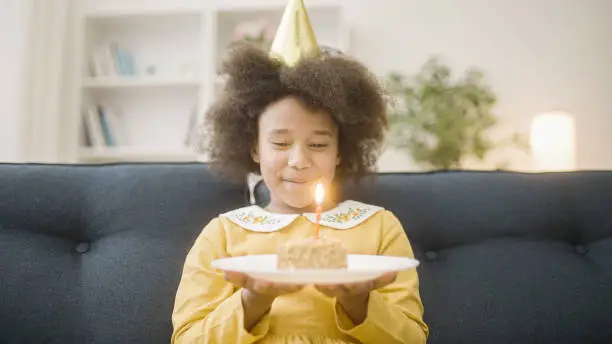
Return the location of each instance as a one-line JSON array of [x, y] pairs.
[[331, 82]]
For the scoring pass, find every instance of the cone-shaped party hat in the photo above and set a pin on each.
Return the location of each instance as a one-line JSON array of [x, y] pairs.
[[295, 38]]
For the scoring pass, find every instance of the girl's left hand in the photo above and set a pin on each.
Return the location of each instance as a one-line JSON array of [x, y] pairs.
[[352, 293]]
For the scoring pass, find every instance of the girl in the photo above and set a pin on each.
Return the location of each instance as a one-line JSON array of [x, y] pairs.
[[321, 118]]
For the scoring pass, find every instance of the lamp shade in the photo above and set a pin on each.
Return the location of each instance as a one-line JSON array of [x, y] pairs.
[[553, 142]]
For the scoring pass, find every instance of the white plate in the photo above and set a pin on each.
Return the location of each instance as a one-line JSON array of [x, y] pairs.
[[360, 268]]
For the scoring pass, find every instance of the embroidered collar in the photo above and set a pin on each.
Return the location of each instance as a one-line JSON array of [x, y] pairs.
[[346, 215]]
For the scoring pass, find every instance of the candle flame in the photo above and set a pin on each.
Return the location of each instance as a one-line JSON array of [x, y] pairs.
[[319, 193]]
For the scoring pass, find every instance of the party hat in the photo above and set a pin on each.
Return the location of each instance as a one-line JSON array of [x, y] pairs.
[[295, 38]]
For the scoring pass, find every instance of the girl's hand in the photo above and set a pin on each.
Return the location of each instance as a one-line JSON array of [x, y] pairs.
[[354, 297], [257, 295], [260, 289]]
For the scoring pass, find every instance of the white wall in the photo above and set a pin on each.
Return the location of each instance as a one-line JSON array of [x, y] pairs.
[[13, 25], [538, 55]]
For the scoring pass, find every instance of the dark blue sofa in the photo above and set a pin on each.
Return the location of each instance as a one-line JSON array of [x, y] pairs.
[[93, 254]]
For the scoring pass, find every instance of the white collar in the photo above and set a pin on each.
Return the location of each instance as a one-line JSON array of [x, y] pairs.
[[346, 215]]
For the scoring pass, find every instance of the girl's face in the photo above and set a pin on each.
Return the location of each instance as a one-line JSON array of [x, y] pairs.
[[296, 149]]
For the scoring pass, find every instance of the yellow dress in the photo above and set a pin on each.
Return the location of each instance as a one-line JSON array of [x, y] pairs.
[[208, 309]]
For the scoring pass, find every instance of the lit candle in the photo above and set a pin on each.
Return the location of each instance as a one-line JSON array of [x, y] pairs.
[[319, 195]]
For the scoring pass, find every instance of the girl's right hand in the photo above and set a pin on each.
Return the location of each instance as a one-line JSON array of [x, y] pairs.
[[260, 290], [257, 295]]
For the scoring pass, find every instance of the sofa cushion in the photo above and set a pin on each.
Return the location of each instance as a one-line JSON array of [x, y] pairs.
[[505, 257], [93, 254]]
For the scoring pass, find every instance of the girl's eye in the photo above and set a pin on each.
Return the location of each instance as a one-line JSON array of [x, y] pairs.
[[319, 145], [281, 144]]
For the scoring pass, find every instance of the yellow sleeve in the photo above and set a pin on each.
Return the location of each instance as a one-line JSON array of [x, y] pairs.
[[207, 308], [395, 312]]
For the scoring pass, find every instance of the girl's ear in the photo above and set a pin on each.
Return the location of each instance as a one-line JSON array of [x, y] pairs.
[[255, 153]]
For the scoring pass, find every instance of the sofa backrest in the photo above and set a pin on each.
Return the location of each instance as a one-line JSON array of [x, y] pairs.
[[93, 254], [505, 257]]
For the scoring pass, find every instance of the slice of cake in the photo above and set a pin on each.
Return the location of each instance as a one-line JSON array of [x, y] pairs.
[[312, 253]]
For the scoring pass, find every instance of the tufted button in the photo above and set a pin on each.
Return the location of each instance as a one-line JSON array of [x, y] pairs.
[[431, 255], [581, 249], [82, 247]]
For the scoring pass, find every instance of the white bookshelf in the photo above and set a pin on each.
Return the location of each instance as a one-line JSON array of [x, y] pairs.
[[177, 47], [140, 82]]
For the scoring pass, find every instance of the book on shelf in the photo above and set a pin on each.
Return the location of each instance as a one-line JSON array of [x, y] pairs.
[[112, 60], [191, 139], [102, 127]]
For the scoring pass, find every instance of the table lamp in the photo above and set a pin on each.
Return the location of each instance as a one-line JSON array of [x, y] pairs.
[[553, 140]]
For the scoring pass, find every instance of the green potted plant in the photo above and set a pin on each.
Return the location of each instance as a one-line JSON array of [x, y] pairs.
[[441, 122]]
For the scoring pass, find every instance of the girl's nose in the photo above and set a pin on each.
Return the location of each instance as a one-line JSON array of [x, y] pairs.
[[299, 158]]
